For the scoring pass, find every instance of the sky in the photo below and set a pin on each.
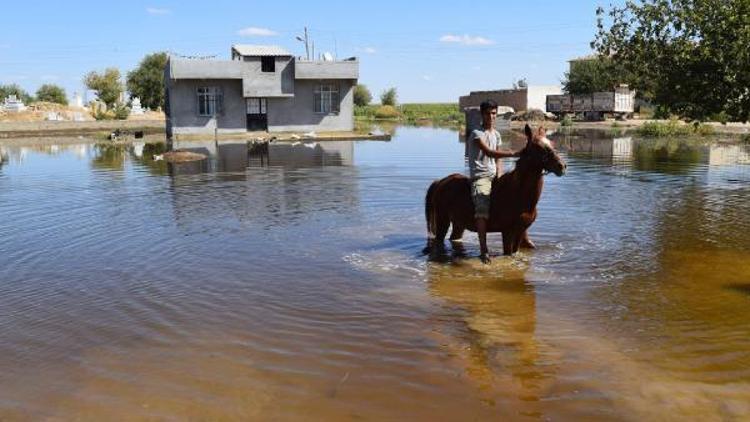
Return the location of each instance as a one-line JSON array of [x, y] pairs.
[[430, 52]]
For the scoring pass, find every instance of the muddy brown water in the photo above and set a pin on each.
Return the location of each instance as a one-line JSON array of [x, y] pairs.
[[287, 283]]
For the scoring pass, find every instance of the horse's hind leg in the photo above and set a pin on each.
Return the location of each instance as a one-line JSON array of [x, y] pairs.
[[441, 229]]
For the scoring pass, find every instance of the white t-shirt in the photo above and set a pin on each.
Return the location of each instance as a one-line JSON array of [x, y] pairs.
[[481, 165]]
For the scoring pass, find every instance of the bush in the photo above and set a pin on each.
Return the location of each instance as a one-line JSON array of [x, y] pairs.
[[14, 89], [722, 118], [703, 129], [386, 112], [389, 97], [121, 112], [661, 129], [746, 138], [674, 128], [566, 121], [52, 94], [362, 96]]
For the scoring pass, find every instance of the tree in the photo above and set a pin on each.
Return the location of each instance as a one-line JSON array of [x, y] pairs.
[[51, 93], [107, 85], [15, 89], [147, 80], [691, 56], [362, 95], [594, 74], [389, 97]]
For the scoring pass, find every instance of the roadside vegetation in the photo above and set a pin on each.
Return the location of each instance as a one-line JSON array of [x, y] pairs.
[[674, 128]]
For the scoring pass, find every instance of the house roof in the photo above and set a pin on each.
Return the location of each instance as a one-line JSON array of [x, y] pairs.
[[260, 50]]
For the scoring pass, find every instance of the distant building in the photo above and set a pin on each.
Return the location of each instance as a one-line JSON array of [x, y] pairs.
[[521, 99], [260, 88]]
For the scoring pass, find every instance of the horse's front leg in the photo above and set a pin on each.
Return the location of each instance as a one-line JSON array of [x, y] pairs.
[[508, 242], [525, 241], [518, 238]]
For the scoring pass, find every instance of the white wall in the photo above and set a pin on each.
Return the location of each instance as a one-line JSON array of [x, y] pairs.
[[537, 95]]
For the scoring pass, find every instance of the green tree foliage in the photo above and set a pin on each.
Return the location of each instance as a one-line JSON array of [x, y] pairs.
[[51, 93], [107, 85], [692, 56], [586, 76], [389, 97], [362, 96], [14, 89], [147, 80]]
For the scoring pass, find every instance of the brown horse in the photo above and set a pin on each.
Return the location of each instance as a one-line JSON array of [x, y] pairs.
[[513, 199]]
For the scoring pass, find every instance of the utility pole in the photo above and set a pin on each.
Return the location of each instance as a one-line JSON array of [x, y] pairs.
[[307, 48]]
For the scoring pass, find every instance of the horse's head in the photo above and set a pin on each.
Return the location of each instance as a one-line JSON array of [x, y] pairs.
[[539, 149]]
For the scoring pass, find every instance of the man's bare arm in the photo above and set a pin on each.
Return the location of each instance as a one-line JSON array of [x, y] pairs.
[[494, 153]]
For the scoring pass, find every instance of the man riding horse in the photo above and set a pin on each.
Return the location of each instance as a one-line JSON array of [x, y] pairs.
[[489, 201], [484, 155]]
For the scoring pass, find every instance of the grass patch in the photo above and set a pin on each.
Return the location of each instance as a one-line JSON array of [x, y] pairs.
[[664, 129], [412, 113], [566, 121], [616, 129]]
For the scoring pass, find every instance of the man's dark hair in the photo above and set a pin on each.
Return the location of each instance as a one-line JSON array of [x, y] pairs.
[[487, 105]]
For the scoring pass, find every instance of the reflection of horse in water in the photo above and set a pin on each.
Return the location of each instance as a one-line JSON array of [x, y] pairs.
[[513, 200], [494, 339]]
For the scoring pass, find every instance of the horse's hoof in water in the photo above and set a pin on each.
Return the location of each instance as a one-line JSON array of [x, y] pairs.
[[527, 244], [485, 258]]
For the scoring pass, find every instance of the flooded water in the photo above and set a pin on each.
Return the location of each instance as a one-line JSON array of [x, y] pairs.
[[288, 283]]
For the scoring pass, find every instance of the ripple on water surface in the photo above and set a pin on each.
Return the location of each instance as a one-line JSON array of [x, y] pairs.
[[289, 283]]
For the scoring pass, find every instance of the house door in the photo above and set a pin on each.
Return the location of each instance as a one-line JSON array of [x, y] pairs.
[[257, 117]]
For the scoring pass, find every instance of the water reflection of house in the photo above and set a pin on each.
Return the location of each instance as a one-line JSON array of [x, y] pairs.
[[263, 184]]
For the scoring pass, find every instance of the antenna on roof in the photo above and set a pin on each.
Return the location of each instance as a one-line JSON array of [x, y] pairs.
[[307, 47]]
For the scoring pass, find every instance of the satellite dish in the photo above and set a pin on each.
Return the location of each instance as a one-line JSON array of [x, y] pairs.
[[327, 57]]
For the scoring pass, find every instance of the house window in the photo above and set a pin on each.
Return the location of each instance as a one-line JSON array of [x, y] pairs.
[[210, 101], [256, 106], [268, 64], [326, 98]]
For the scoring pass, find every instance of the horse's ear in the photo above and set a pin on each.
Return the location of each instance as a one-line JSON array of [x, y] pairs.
[[527, 131]]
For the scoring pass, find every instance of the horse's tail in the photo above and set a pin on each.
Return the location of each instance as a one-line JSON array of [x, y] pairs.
[[429, 212]]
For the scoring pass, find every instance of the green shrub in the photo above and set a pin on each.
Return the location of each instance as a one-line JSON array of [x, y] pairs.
[[101, 114], [52, 94], [389, 97], [746, 138], [386, 112], [362, 95], [722, 118], [566, 121], [675, 128], [703, 129], [120, 112], [662, 129]]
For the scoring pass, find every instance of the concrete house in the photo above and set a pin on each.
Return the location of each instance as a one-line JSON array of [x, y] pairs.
[[262, 88], [522, 99]]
